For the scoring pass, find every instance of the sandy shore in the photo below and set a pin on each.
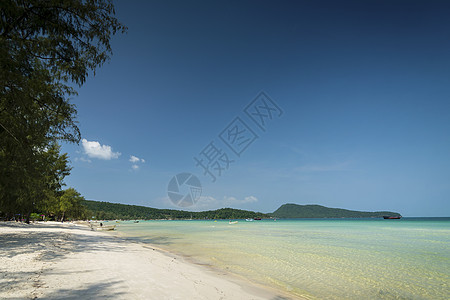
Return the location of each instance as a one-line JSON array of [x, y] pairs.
[[68, 261]]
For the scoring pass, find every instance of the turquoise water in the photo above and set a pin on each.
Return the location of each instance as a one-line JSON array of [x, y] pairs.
[[318, 259]]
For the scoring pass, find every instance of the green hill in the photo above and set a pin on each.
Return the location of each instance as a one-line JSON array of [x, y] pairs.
[[291, 210], [111, 211]]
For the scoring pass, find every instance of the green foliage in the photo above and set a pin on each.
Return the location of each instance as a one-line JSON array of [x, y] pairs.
[[317, 211], [35, 216], [44, 45], [230, 213], [112, 211], [70, 205], [31, 181], [65, 38]]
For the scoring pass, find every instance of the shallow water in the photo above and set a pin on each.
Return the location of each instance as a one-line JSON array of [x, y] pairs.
[[318, 258]]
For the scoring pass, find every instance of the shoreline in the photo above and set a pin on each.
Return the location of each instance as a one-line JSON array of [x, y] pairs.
[[267, 292], [65, 260]]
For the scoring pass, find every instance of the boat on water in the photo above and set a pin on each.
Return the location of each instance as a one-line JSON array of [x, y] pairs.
[[257, 219], [233, 222], [392, 217], [103, 227], [249, 220], [107, 227], [96, 226], [136, 221]]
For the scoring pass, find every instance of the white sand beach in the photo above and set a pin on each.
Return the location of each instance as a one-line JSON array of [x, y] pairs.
[[68, 261]]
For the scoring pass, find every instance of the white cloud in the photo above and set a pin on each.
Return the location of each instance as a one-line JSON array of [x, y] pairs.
[[234, 201], [85, 160], [135, 159], [211, 203], [250, 199], [94, 149]]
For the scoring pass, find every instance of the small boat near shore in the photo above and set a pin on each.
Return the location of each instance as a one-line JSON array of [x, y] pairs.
[[392, 217], [233, 222], [95, 226], [107, 227], [249, 220]]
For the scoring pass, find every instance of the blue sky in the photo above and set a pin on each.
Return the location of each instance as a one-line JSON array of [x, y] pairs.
[[364, 87]]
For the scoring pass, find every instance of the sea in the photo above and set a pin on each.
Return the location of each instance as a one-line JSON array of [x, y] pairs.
[[316, 258]]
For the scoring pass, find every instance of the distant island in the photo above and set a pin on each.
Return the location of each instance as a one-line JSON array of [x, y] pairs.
[[291, 210], [115, 211]]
